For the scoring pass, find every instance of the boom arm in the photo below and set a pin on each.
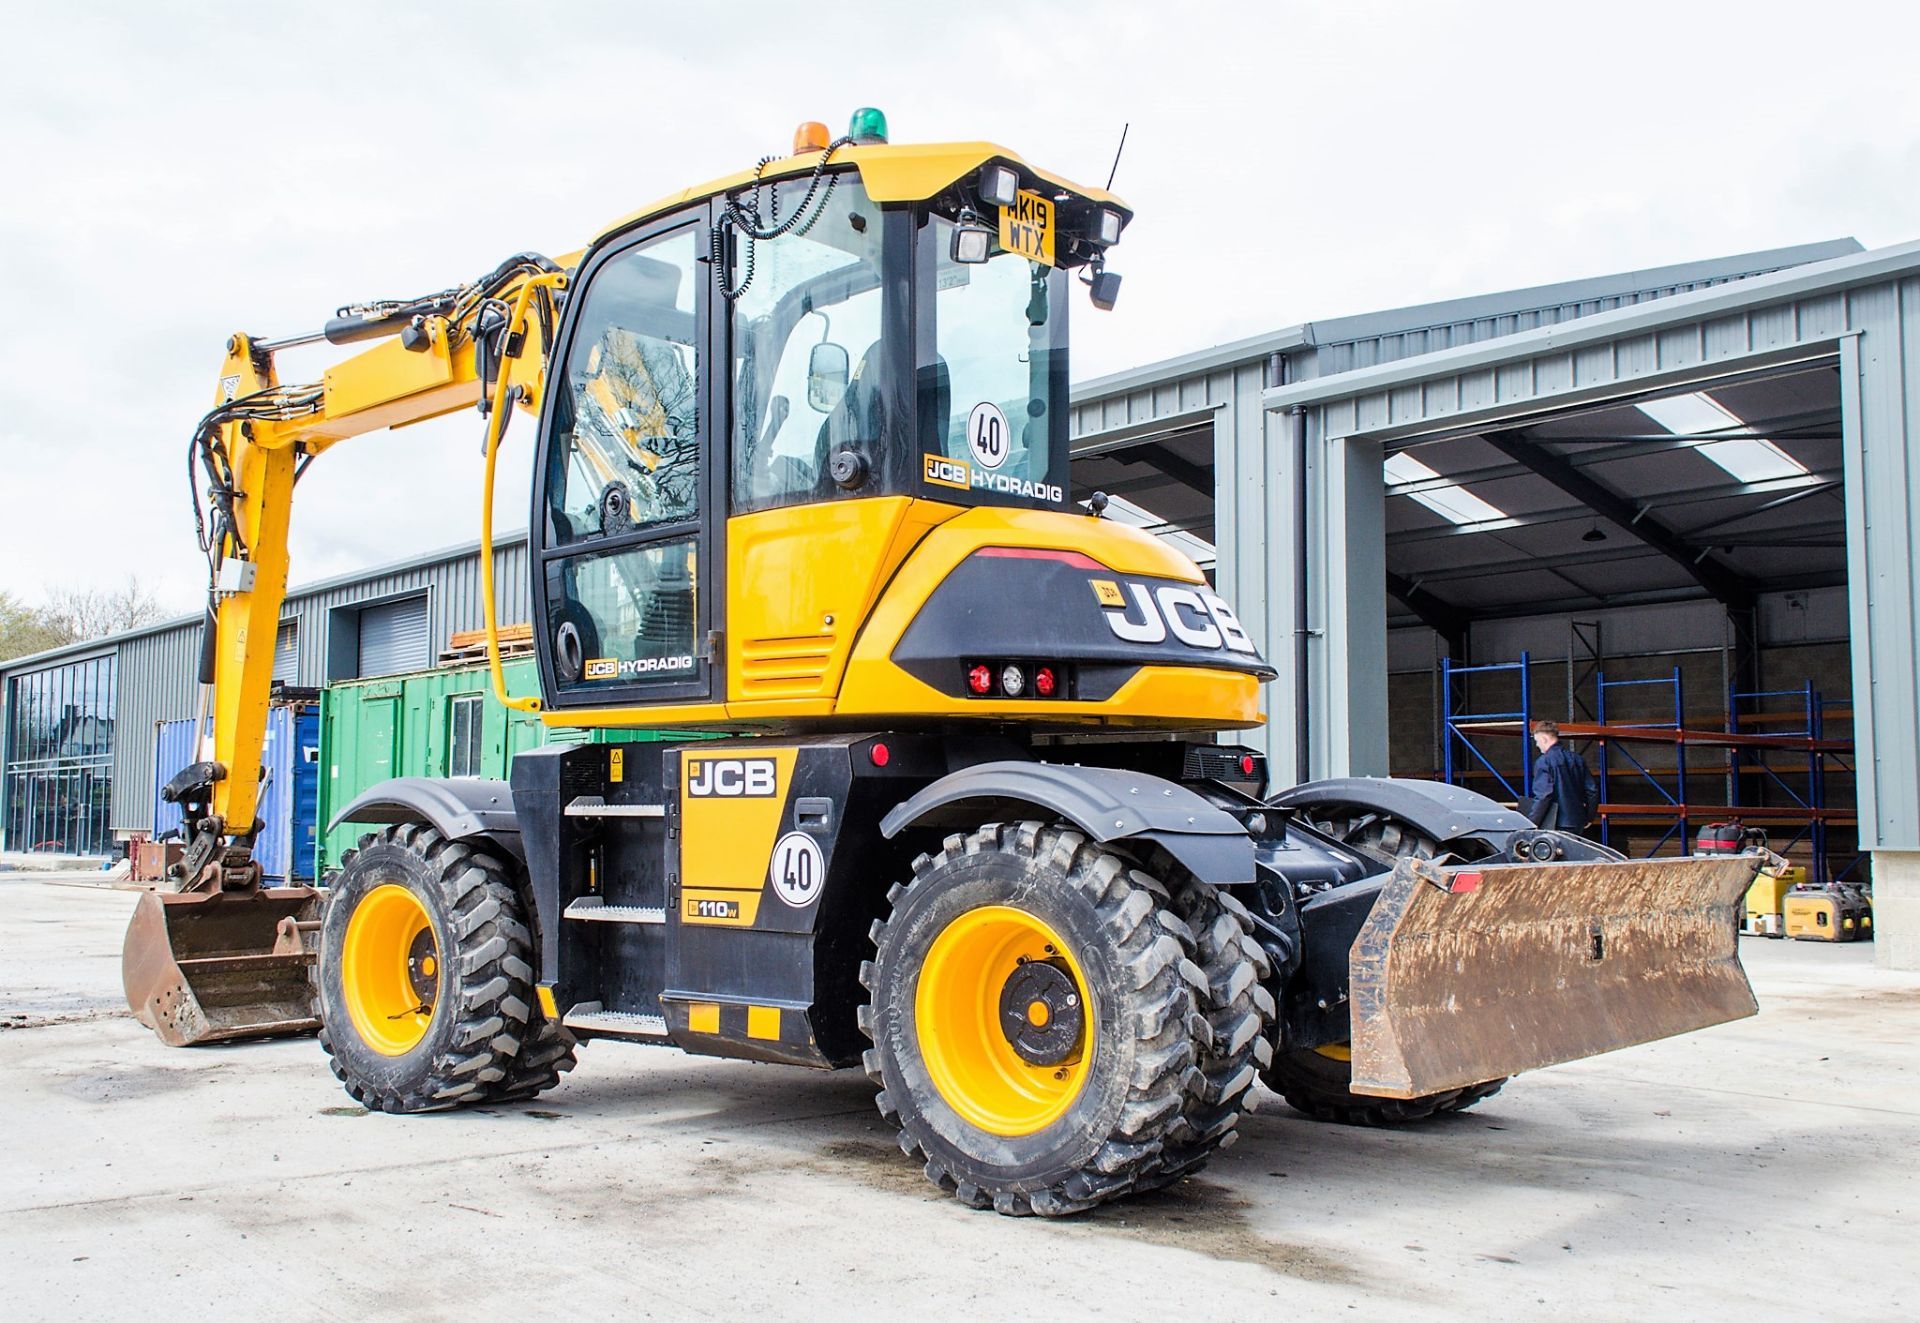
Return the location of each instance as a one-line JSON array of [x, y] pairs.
[[479, 345]]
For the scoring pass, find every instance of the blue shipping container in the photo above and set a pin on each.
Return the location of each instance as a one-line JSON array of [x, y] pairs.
[[289, 794]]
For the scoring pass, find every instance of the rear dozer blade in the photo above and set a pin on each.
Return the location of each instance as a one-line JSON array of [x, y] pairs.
[[1468, 974], [203, 966]]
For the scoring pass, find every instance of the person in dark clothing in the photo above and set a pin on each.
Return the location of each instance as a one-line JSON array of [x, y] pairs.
[[1564, 793]]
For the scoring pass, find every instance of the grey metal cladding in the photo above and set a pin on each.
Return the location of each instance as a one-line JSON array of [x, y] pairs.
[[158, 663]]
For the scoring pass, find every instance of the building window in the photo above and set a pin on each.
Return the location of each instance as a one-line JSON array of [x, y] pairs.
[[57, 796], [464, 716]]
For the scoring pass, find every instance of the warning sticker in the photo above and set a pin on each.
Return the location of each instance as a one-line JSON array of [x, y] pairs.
[[987, 435]]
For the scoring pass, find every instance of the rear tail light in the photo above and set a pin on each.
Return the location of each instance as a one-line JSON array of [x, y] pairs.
[[999, 677]]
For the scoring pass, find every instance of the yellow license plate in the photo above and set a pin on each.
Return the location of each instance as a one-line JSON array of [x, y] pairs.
[[1026, 227]]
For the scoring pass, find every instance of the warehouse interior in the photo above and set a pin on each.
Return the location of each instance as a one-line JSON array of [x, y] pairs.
[[1658, 573]]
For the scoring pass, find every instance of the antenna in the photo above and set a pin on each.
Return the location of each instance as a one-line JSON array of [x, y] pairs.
[[1116, 154]]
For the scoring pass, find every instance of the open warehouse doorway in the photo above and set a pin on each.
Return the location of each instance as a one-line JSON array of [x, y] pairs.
[[1665, 576]]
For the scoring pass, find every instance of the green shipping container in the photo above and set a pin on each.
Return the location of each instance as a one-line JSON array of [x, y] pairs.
[[432, 723]]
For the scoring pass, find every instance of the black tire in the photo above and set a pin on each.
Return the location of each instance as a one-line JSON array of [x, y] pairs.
[[484, 1000], [545, 1055], [1318, 1086], [1384, 836], [1238, 1043], [1133, 955]]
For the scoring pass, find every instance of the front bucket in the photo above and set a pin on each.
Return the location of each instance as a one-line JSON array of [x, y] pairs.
[[202, 966], [1468, 974]]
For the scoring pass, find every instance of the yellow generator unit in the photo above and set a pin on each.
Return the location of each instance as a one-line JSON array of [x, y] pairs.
[[1761, 916], [1836, 913]]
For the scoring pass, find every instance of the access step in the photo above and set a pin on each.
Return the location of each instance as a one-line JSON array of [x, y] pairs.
[[626, 1024], [592, 806], [595, 910]]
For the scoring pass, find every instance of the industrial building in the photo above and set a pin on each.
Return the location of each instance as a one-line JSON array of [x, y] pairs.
[[1669, 508]]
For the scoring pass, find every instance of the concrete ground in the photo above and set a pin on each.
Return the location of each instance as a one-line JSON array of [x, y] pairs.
[[1768, 1169]]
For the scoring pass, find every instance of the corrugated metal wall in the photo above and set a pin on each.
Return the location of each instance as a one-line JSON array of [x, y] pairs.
[[157, 668]]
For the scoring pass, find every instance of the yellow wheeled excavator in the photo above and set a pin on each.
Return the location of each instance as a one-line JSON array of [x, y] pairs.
[[801, 478]]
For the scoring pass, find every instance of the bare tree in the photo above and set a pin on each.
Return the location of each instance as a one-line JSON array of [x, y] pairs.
[[90, 613], [23, 628], [74, 615]]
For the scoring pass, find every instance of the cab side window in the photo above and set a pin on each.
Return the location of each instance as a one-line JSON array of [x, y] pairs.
[[624, 475], [626, 455]]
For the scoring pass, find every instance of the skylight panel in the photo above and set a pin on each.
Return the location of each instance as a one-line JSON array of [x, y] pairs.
[[1455, 504], [1748, 458]]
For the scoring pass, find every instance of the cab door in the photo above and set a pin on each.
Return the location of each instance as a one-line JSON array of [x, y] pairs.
[[623, 537]]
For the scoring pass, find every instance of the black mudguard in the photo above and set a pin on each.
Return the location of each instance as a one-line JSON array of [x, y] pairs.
[[1107, 803], [458, 809], [1443, 812]]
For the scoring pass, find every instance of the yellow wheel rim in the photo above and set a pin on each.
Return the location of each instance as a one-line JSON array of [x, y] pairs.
[[975, 997], [390, 970]]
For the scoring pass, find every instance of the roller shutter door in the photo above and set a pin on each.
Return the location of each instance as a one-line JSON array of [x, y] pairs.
[[393, 637], [286, 653]]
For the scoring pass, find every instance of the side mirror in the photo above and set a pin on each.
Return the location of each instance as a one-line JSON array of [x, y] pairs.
[[826, 377]]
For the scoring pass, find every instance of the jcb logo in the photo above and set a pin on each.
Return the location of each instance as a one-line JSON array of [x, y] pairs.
[[1140, 614], [732, 778], [947, 472]]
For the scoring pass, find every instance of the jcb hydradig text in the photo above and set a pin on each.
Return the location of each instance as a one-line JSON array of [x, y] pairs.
[[801, 479]]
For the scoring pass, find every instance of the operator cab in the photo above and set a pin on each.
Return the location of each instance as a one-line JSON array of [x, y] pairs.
[[873, 348]]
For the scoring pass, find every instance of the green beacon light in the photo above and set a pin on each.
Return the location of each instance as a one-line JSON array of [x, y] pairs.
[[869, 126]]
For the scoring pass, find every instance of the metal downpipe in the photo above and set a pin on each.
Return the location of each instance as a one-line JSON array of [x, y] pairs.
[[1302, 707]]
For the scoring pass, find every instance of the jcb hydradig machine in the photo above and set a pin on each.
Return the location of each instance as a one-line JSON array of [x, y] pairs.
[[801, 479]]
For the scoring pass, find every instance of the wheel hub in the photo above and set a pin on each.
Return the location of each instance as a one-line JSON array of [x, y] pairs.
[[423, 967], [1040, 1013]]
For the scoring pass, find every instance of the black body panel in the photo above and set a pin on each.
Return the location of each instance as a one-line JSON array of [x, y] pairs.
[[999, 602]]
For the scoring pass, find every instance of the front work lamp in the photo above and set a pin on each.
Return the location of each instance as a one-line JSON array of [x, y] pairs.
[[972, 239], [999, 185]]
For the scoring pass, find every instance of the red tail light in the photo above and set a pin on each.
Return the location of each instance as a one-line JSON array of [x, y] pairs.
[[1045, 682], [980, 679]]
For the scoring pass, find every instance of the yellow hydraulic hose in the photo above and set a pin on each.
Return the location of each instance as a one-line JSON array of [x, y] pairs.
[[503, 403]]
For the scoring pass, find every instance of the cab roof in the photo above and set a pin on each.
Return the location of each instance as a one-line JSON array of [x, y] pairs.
[[905, 172]]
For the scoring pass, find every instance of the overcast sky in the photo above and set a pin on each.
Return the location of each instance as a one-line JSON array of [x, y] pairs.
[[170, 173]]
